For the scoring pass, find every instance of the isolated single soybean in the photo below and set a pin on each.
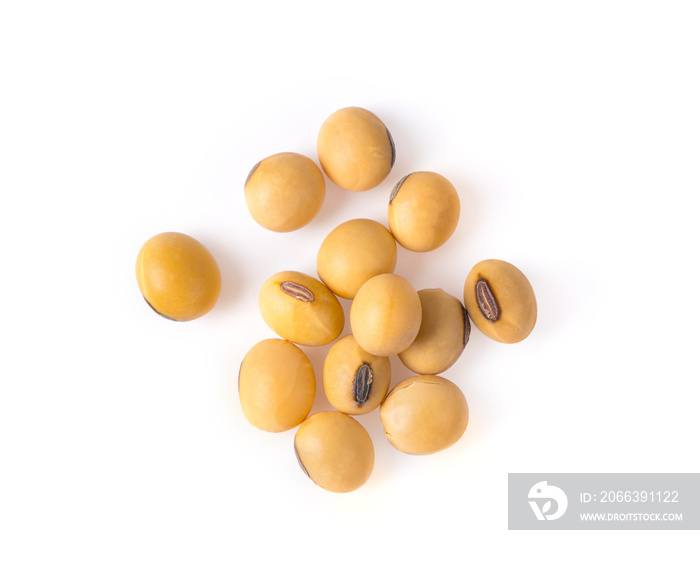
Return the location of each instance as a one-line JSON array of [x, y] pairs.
[[178, 277]]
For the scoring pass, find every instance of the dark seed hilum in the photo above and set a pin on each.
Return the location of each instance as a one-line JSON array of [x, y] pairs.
[[397, 188], [301, 463], [393, 149], [298, 291], [160, 313], [488, 305], [251, 172], [467, 327], [362, 384]]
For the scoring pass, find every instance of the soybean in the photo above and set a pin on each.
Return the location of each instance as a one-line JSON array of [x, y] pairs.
[[355, 382], [424, 414], [284, 192], [334, 451], [385, 315], [355, 149], [500, 301], [178, 277], [424, 211], [354, 252], [443, 335], [276, 385], [301, 309]]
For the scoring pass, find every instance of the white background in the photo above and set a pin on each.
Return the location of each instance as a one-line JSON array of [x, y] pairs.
[[571, 131]]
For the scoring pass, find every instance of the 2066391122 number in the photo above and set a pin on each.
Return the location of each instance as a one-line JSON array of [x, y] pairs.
[[639, 496]]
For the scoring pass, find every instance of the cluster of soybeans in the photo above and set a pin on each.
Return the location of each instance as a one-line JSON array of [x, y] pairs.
[[427, 329]]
